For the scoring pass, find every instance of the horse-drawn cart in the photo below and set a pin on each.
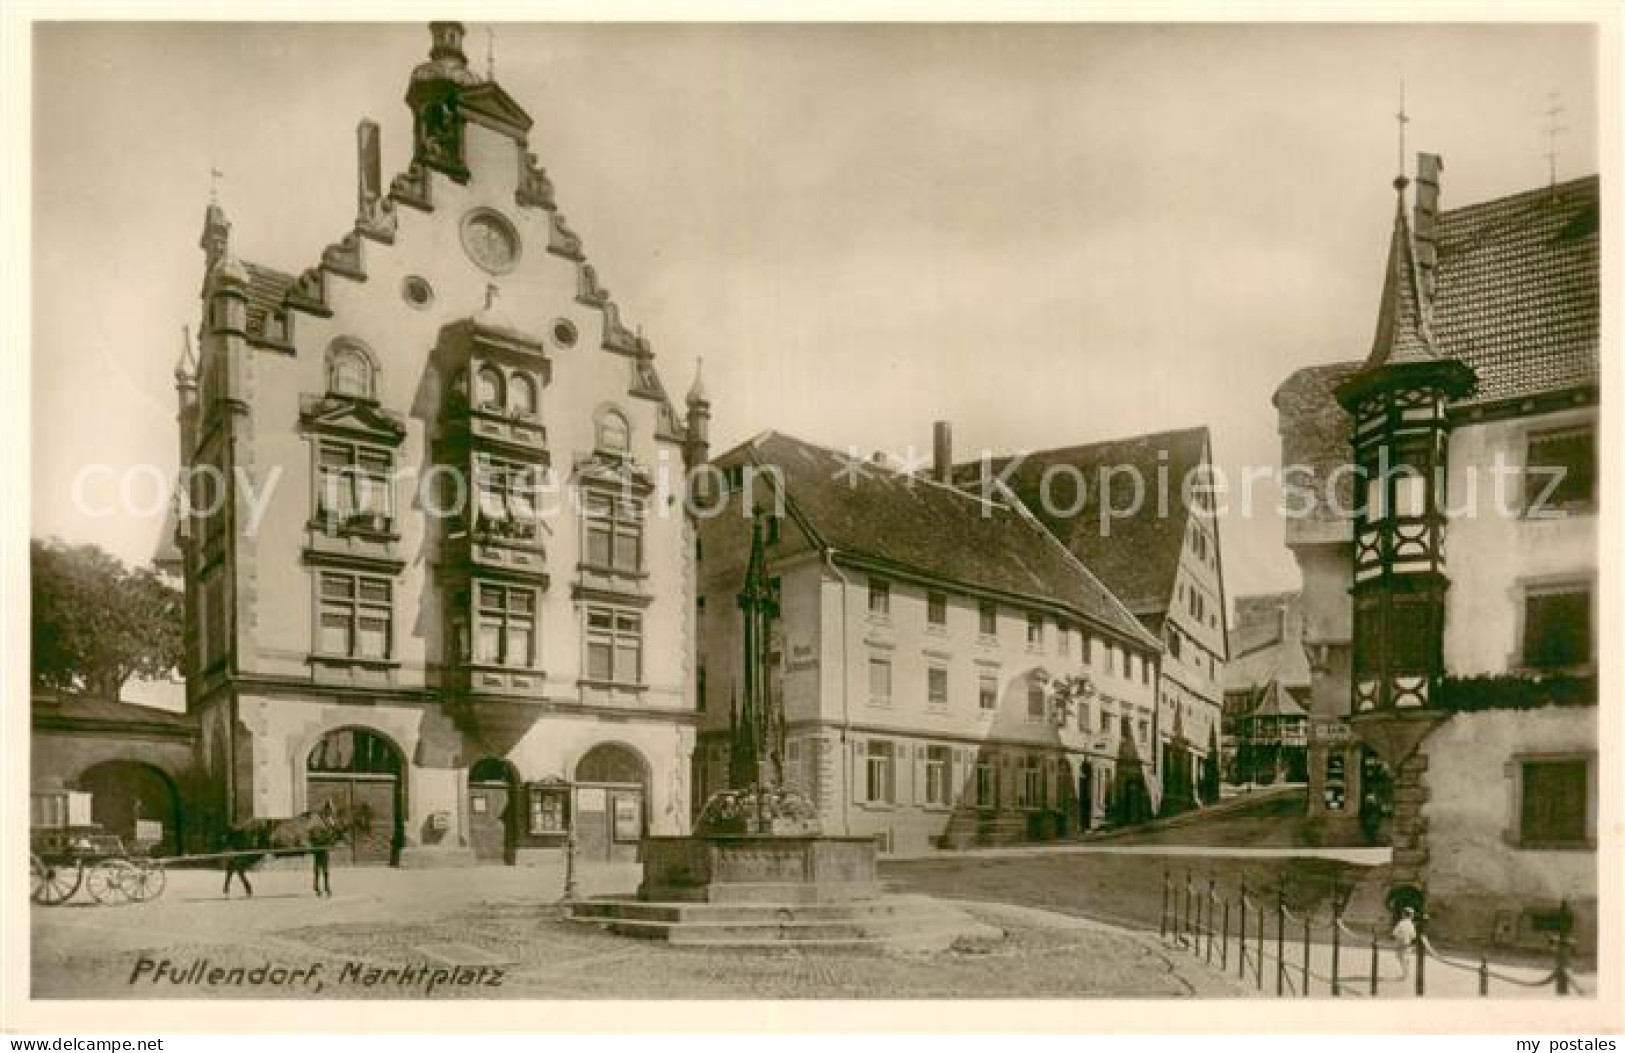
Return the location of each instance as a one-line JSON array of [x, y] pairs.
[[69, 851]]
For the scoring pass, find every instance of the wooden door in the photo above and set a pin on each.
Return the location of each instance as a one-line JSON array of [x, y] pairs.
[[490, 820], [380, 794]]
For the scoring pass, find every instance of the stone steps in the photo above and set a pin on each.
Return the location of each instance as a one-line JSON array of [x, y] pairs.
[[886, 924]]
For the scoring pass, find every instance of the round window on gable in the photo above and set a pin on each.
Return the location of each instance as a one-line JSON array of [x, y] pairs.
[[564, 332], [417, 291]]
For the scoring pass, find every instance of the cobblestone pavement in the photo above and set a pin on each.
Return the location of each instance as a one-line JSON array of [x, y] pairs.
[[468, 924]]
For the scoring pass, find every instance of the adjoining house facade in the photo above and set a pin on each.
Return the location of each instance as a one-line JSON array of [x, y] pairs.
[[434, 562], [1266, 694], [1160, 555], [920, 628], [1452, 594]]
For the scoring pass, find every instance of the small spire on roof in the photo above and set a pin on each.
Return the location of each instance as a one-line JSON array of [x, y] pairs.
[[697, 395], [490, 54], [1402, 119]]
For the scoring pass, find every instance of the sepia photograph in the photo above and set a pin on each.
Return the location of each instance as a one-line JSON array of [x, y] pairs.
[[576, 511]]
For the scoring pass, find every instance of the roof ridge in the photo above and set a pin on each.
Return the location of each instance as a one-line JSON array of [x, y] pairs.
[[869, 462], [1076, 447], [1559, 189], [1031, 519]]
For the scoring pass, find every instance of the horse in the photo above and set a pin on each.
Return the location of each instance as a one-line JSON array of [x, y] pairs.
[[314, 833]]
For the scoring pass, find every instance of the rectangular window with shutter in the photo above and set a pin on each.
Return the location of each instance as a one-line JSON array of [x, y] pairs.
[[936, 687], [1554, 803], [880, 781], [938, 771], [1557, 628], [880, 681], [1561, 470]]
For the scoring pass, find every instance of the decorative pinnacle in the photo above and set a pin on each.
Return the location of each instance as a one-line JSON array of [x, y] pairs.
[[215, 175], [186, 365]]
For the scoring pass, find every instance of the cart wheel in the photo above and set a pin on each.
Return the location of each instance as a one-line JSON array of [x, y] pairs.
[[148, 881], [110, 880], [56, 882]]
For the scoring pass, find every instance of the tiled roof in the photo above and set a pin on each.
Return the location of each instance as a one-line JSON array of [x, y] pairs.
[[1517, 295], [1277, 702], [52, 708], [1137, 556], [1402, 327], [920, 525]]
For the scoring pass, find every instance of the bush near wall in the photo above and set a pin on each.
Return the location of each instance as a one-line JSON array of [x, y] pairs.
[[1472, 694]]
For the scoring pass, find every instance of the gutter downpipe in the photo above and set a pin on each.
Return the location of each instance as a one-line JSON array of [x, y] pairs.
[[846, 711]]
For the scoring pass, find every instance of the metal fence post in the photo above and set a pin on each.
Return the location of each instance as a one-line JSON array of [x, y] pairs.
[[1305, 991], [1337, 947], [1167, 889], [1241, 934], [1258, 949], [1224, 941], [1212, 899], [1188, 930], [1373, 965], [1562, 971], [1421, 954], [1483, 973], [1280, 942]]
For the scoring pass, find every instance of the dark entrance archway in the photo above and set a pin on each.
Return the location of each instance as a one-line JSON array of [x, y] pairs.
[[493, 810], [354, 768], [137, 802], [611, 798]]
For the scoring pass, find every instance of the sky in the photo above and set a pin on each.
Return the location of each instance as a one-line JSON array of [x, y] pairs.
[[1045, 234]]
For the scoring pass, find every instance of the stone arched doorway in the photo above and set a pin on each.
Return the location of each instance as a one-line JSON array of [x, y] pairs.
[[137, 802], [358, 768], [611, 802], [494, 806]]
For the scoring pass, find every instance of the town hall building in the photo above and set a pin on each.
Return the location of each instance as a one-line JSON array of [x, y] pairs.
[[466, 602]]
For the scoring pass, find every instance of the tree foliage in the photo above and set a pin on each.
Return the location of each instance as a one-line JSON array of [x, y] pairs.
[[97, 622]]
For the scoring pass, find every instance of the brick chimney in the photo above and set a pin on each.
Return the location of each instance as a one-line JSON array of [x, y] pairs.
[[1425, 221], [942, 451]]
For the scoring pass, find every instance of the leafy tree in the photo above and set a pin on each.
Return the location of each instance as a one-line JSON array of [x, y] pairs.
[[97, 623], [1210, 774]]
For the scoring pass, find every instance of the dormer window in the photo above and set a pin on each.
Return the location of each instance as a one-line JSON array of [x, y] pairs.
[[350, 372], [614, 434]]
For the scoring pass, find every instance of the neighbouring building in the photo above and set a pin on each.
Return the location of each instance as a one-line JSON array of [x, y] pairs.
[[920, 629], [434, 559], [1266, 693], [1160, 555], [1450, 582], [138, 763]]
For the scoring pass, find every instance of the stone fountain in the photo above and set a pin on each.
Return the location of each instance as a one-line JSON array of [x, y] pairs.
[[758, 871]]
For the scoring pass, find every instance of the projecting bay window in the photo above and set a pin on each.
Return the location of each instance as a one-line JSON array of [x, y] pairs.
[[505, 625], [355, 616], [614, 528], [505, 497], [353, 489], [614, 646]]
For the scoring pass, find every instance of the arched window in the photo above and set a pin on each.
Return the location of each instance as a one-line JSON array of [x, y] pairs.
[[488, 388], [522, 398], [614, 434], [354, 751], [349, 372]]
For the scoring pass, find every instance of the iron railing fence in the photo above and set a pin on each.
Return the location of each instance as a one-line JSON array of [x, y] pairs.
[[1252, 935]]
